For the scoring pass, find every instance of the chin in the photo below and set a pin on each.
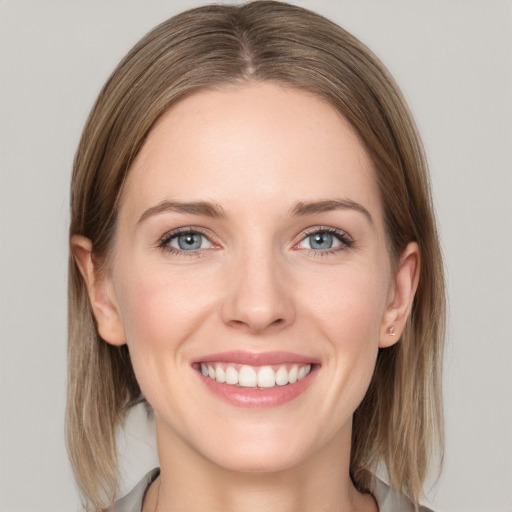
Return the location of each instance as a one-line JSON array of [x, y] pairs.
[[267, 449], [253, 459]]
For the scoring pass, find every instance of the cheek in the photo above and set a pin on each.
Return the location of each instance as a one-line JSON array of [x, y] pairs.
[[159, 313], [350, 305], [161, 308], [349, 313]]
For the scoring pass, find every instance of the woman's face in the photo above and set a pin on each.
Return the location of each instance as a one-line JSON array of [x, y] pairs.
[[251, 246]]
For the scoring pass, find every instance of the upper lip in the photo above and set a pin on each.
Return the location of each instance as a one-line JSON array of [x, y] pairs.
[[256, 358]]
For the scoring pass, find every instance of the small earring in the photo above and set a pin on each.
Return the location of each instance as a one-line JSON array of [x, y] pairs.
[[391, 331]]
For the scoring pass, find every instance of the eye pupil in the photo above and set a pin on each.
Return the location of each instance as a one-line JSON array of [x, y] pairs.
[[189, 241], [321, 240]]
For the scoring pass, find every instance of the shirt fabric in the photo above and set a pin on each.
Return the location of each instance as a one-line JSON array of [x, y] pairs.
[[387, 499]]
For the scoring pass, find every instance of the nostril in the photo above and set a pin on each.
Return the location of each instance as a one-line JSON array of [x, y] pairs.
[[255, 311], [255, 326]]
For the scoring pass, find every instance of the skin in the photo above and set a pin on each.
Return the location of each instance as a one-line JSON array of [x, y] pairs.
[[256, 284]]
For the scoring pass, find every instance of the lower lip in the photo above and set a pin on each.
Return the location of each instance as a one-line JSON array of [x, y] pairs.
[[259, 398]]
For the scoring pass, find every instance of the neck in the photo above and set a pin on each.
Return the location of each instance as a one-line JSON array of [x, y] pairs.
[[188, 481]]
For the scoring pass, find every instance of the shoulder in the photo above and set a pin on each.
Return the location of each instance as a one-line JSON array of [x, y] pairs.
[[390, 500], [132, 502]]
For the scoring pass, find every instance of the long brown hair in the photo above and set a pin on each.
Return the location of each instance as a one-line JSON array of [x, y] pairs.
[[401, 414]]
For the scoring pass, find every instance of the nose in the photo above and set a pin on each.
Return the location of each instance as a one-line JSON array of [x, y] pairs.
[[259, 295]]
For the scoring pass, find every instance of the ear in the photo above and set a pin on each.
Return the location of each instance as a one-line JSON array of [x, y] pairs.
[[401, 296], [101, 292]]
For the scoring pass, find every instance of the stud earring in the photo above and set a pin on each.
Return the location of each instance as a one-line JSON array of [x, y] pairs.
[[391, 331]]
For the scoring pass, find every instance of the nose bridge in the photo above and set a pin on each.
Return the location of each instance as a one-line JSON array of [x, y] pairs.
[[259, 297]]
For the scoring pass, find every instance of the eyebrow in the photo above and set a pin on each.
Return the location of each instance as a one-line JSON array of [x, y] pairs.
[[196, 208], [216, 211], [314, 207]]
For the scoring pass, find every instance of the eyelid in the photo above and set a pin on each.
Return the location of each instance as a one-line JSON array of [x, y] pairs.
[[343, 237], [183, 231], [163, 241]]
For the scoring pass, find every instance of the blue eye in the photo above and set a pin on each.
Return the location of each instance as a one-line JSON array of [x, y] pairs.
[[192, 241], [321, 241], [325, 240]]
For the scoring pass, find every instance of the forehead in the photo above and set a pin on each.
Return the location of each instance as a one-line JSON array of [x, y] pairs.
[[280, 143]]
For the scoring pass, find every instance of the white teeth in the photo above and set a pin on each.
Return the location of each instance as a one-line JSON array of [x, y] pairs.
[[251, 377], [266, 377], [231, 375], [292, 376], [247, 377], [220, 374], [282, 376]]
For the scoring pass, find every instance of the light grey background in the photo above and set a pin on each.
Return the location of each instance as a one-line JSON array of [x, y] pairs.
[[453, 60]]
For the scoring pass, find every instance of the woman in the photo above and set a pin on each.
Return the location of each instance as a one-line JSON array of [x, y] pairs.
[[254, 255]]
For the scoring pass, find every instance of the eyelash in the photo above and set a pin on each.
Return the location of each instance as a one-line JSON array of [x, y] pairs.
[[346, 241], [168, 237]]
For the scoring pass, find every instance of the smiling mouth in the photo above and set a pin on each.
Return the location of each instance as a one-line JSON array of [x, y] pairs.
[[256, 377]]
